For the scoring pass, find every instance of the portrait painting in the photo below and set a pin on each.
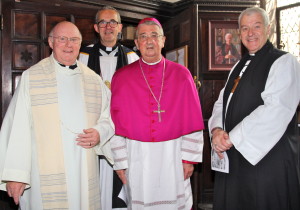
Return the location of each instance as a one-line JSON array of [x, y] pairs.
[[224, 45]]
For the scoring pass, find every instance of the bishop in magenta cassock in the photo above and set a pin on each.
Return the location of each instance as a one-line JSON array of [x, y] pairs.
[[158, 120]]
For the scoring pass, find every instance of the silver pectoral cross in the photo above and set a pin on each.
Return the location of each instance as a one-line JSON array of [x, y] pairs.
[[158, 111]]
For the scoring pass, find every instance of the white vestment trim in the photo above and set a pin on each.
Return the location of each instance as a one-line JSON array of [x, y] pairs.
[[154, 170]]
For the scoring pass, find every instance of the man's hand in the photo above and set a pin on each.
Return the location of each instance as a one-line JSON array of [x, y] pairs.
[[89, 138], [188, 170], [220, 141], [15, 190], [122, 175]]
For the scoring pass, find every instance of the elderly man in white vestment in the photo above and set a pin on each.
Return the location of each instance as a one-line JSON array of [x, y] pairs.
[[57, 123]]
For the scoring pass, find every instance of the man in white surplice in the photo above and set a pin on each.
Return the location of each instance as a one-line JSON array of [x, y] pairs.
[[56, 124], [105, 57]]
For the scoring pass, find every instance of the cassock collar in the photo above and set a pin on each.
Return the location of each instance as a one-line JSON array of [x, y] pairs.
[[151, 64], [108, 50], [263, 50]]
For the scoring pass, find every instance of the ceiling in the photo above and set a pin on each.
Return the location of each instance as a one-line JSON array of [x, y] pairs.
[[171, 1]]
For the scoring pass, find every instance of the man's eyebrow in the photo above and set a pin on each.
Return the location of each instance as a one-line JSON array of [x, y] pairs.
[[107, 20]]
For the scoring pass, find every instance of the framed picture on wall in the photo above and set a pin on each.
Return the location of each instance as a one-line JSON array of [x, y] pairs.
[[179, 55], [224, 45]]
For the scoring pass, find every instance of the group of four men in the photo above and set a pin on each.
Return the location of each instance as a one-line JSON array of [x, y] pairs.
[[145, 122]]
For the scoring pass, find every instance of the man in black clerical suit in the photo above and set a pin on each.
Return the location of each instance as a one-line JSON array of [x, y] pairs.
[[105, 57], [254, 125]]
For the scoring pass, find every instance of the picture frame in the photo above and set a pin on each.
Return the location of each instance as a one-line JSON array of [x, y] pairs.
[[224, 45], [179, 55]]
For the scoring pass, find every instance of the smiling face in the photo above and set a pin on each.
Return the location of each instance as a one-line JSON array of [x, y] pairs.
[[65, 53], [253, 32], [108, 35], [150, 41]]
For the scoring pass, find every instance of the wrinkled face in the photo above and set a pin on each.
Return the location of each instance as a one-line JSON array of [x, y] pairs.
[[65, 50], [253, 33], [150, 41], [108, 34]]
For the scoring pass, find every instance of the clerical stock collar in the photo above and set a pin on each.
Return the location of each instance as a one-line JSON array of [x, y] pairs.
[[108, 50], [151, 64], [72, 67], [263, 50]]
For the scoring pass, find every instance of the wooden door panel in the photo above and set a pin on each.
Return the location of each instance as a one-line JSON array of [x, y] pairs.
[[25, 55], [52, 20], [26, 25], [86, 27]]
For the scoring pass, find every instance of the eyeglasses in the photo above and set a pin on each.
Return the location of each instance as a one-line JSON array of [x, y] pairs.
[[64, 39], [103, 23], [144, 37]]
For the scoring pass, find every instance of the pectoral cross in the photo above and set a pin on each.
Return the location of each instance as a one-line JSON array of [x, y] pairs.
[[236, 82], [158, 111]]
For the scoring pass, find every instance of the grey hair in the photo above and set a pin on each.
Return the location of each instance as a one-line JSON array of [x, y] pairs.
[[108, 8], [254, 10], [148, 22]]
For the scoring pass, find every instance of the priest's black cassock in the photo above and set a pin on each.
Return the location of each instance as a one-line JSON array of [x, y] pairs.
[[273, 183]]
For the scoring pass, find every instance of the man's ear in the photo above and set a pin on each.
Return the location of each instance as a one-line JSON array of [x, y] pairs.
[[136, 44], [50, 42], [120, 25], [96, 28]]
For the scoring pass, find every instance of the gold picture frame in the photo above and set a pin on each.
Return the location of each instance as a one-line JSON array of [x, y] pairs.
[[218, 58], [179, 55]]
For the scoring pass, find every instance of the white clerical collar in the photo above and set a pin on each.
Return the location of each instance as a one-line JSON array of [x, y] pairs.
[[109, 48], [152, 63]]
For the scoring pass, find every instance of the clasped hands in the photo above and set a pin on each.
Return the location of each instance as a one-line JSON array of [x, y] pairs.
[[220, 141]]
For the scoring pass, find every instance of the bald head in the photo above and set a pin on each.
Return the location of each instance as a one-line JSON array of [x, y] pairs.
[[65, 40], [65, 25]]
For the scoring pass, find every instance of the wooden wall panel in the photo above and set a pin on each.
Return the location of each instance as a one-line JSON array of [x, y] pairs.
[[169, 43], [29, 27], [210, 90], [86, 27], [185, 31], [25, 55], [52, 20]]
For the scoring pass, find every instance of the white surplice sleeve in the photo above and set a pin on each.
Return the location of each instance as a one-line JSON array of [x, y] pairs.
[[119, 150], [105, 125], [83, 57], [192, 147], [132, 56], [216, 119], [15, 137], [257, 133]]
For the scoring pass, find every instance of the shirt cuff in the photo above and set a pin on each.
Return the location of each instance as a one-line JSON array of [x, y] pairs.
[[189, 162]]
